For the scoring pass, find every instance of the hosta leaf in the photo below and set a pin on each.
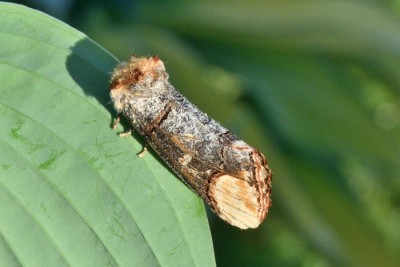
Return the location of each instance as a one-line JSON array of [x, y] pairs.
[[71, 191]]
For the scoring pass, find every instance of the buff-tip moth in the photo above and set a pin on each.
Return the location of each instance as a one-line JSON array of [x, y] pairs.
[[231, 176]]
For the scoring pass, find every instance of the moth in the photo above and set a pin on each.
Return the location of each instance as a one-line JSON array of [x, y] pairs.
[[230, 175]]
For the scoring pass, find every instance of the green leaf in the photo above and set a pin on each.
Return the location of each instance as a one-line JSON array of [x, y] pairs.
[[71, 191]]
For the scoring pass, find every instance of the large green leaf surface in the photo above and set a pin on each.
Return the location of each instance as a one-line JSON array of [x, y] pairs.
[[72, 193]]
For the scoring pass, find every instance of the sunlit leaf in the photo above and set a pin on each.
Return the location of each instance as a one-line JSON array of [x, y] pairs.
[[71, 191]]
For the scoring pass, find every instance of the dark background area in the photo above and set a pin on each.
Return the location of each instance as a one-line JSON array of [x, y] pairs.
[[313, 84]]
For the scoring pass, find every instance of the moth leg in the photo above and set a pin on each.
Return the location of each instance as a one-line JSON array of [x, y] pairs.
[[143, 152], [116, 122], [125, 134]]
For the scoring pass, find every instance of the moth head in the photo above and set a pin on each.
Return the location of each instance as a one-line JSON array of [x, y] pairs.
[[133, 76], [137, 70]]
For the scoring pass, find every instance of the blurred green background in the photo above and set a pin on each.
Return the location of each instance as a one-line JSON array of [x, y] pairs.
[[314, 84]]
